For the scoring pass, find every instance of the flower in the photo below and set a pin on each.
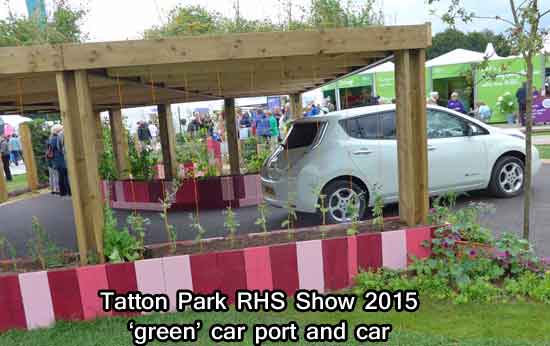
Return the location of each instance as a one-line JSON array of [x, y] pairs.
[[473, 253], [500, 99]]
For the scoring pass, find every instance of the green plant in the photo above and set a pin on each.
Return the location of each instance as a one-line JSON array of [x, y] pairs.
[[352, 210], [378, 209], [231, 224], [516, 255], [441, 208], [137, 224], [40, 132], [506, 104], [119, 245], [288, 223], [141, 163], [321, 205], [192, 149], [196, 225], [166, 203], [261, 221], [107, 167], [7, 250], [42, 248]]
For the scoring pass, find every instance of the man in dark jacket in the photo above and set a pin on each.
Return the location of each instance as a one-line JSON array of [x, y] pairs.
[[521, 96], [144, 135], [5, 153]]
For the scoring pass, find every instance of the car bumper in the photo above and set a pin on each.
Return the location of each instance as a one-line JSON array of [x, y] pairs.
[[276, 193], [536, 162]]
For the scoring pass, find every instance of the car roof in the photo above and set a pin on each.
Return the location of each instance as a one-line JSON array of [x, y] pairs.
[[352, 112]]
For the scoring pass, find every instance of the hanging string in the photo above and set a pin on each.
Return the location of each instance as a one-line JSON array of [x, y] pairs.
[[218, 74], [132, 188], [153, 93]]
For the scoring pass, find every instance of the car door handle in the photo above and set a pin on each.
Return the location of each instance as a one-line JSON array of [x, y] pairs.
[[362, 152], [431, 148]]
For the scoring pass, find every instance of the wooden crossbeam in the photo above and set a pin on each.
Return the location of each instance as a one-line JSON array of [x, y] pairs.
[[212, 48]]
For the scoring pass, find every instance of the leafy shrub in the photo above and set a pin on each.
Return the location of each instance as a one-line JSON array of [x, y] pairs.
[[119, 245], [107, 167], [40, 133], [42, 249], [142, 165]]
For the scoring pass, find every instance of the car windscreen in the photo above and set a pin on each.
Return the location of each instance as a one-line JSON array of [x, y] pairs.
[[303, 134]]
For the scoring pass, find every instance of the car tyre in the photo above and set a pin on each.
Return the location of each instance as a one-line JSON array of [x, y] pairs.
[[337, 193], [507, 178]]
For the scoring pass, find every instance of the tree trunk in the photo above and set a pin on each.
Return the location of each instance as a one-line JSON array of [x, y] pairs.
[[528, 150]]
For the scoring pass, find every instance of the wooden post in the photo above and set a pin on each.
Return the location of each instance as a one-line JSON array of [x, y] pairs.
[[3, 185], [28, 156], [296, 106], [79, 127], [99, 136], [412, 142], [120, 144], [167, 141], [232, 136]]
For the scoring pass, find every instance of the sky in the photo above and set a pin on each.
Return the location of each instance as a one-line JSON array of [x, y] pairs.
[[111, 20]]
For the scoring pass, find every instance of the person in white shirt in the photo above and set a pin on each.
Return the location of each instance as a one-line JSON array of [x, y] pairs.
[[153, 129]]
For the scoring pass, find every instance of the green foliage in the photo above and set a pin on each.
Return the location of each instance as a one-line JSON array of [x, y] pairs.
[[107, 167], [166, 204], [40, 133], [288, 223], [231, 224], [378, 209], [352, 211], [7, 250], [138, 224], [119, 245], [450, 39], [321, 206], [197, 20], [141, 164], [263, 213], [196, 225], [62, 26], [42, 249], [506, 104], [255, 161]]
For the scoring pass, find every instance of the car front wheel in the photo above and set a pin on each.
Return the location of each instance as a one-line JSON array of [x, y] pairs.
[[507, 179], [343, 200]]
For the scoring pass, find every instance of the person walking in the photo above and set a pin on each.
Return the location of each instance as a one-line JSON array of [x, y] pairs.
[[15, 149], [144, 135], [274, 127], [53, 174], [455, 104], [263, 129], [5, 153], [56, 146], [521, 96]]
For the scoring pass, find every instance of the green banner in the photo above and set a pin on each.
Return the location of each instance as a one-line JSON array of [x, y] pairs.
[[385, 85], [451, 71], [504, 75], [354, 81]]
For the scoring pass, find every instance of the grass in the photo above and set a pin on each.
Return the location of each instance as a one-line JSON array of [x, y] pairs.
[[19, 182], [435, 323], [544, 151], [543, 133]]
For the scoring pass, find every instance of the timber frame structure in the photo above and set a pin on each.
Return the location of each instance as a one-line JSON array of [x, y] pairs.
[[81, 80]]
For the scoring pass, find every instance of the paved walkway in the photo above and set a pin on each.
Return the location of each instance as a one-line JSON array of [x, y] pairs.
[[55, 214]]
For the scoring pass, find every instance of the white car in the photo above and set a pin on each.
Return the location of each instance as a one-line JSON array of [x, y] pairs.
[[353, 153]]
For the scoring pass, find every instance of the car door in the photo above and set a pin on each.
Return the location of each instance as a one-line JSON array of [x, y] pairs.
[[363, 147], [457, 152]]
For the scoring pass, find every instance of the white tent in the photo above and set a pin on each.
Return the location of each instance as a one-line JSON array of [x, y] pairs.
[[457, 56]]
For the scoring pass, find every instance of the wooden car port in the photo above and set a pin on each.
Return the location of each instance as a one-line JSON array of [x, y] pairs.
[[81, 80]]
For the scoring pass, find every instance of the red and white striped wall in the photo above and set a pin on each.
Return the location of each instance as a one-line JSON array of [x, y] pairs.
[[38, 299]]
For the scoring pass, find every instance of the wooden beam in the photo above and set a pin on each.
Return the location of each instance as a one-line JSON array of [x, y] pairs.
[[79, 131], [120, 143], [412, 142], [232, 136], [168, 141], [28, 156], [296, 106], [100, 149], [3, 185], [211, 48]]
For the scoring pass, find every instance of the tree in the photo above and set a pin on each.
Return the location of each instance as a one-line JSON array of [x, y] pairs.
[[63, 25], [187, 20], [526, 37], [451, 39]]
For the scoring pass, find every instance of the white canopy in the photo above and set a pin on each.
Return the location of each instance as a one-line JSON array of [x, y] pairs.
[[457, 56], [14, 120]]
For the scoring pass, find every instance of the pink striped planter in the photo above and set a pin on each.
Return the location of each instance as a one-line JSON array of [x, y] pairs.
[[37, 300]]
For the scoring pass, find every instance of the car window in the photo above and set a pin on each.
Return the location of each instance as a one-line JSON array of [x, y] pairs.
[[303, 134], [445, 125], [363, 127], [389, 130]]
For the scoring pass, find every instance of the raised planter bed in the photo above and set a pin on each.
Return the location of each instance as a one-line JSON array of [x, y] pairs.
[[38, 299], [208, 192]]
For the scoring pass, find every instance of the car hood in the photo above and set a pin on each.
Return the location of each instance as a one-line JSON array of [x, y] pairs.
[[508, 131]]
